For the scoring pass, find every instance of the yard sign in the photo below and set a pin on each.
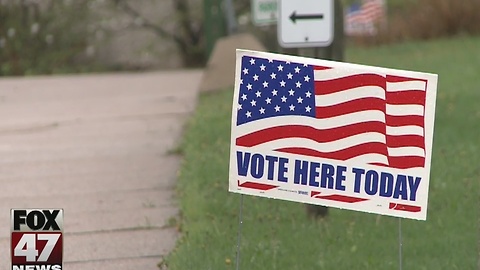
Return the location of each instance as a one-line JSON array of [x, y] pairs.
[[335, 134]]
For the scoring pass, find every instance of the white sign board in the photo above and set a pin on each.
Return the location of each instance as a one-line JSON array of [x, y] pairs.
[[306, 23], [335, 134], [264, 12]]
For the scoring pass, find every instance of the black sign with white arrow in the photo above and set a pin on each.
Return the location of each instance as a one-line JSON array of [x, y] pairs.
[[294, 17]]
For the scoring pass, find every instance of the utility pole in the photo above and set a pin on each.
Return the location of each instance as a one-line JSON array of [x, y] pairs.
[[231, 18]]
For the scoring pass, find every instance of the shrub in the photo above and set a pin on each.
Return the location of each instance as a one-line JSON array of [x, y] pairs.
[[427, 19], [44, 37]]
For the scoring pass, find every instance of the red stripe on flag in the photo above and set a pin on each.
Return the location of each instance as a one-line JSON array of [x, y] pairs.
[[357, 105], [378, 164], [321, 68], [348, 82], [407, 97], [398, 121], [258, 186], [405, 207], [406, 162], [392, 78], [406, 140]]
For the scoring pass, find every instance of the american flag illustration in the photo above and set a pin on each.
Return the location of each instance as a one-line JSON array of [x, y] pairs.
[[335, 113], [363, 18]]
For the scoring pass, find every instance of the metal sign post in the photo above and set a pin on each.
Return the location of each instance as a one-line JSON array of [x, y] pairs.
[[231, 17], [400, 244], [239, 237]]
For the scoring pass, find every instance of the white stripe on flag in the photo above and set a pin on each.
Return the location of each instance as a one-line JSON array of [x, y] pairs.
[[406, 86], [405, 130], [404, 110], [370, 158], [337, 73], [406, 151], [350, 94]]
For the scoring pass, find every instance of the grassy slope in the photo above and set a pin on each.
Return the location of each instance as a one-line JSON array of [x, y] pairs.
[[278, 235]]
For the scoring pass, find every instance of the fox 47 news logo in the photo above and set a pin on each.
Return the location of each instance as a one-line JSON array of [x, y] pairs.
[[37, 240]]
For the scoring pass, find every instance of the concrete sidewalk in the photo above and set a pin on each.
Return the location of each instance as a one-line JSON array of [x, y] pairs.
[[96, 145]]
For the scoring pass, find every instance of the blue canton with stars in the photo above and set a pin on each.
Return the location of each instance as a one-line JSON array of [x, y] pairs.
[[270, 88]]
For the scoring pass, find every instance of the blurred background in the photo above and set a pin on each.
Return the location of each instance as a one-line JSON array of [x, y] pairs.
[[69, 36]]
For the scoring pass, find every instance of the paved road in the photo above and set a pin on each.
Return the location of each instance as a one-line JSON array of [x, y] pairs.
[[97, 147]]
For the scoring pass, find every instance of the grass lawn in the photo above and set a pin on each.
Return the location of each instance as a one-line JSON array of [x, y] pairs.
[[278, 234]]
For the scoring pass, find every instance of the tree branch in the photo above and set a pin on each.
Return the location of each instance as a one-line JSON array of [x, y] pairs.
[[148, 24], [182, 9], [188, 34]]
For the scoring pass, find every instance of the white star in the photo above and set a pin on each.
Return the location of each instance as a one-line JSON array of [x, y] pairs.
[[305, 65], [252, 61], [265, 84], [284, 99], [277, 108], [249, 86], [308, 94], [244, 97], [298, 84], [288, 62], [291, 92], [273, 76], [254, 103], [270, 60], [268, 101], [292, 107], [262, 67], [308, 109], [255, 77], [280, 68], [300, 100], [248, 114], [307, 79], [245, 71], [274, 92], [258, 94], [297, 70], [239, 107], [262, 111], [241, 81], [282, 83], [290, 76]]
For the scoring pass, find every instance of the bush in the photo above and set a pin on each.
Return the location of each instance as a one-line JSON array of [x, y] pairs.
[[428, 19], [44, 37], [437, 18]]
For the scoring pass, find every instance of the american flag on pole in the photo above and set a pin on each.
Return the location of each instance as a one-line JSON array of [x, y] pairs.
[[331, 112], [364, 18]]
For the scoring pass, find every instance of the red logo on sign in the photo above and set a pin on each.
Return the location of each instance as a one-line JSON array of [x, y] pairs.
[[37, 240]]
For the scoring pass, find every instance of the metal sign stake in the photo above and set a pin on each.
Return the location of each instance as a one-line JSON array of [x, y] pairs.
[[400, 243], [239, 237]]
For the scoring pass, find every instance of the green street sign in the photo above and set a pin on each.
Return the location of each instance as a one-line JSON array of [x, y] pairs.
[[264, 12]]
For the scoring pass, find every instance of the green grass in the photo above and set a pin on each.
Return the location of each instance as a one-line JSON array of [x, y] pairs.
[[278, 235]]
